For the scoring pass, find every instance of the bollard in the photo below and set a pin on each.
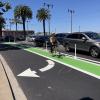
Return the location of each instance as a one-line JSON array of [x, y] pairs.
[[75, 52], [46, 46]]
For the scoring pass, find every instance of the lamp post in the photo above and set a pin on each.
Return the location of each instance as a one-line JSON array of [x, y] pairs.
[[71, 13], [79, 28], [48, 6], [10, 21]]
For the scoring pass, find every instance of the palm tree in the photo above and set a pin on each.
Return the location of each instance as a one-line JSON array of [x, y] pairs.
[[42, 15], [4, 7], [23, 12], [16, 22], [2, 24]]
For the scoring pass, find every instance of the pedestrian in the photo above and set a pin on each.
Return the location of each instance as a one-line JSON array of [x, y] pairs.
[[53, 44]]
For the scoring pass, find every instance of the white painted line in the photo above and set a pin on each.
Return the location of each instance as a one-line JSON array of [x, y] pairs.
[[28, 73], [50, 65], [88, 73], [88, 60], [80, 58]]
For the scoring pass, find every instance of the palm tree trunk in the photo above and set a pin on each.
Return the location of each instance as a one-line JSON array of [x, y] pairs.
[[0, 31], [24, 28], [44, 27]]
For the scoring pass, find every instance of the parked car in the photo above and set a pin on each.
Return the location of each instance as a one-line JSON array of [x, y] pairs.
[[41, 40], [30, 38], [85, 41], [20, 38], [1, 38], [9, 38], [60, 37]]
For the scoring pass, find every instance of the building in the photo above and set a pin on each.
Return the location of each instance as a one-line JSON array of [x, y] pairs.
[[16, 34]]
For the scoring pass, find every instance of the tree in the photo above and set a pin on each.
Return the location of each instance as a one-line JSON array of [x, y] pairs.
[[16, 22], [42, 15], [2, 24], [23, 12], [4, 7]]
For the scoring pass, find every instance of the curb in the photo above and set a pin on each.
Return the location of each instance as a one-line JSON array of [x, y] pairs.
[[5, 90], [15, 89]]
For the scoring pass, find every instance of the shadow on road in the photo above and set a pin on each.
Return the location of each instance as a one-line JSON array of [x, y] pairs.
[[5, 47], [86, 98]]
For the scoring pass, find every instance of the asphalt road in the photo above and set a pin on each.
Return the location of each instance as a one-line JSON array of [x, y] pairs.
[[58, 83]]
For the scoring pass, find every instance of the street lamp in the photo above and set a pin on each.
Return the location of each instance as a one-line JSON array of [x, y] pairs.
[[71, 13], [79, 28], [11, 22], [48, 6]]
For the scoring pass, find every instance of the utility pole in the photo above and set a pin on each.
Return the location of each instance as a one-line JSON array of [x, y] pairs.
[[48, 6], [71, 13], [79, 28], [11, 22]]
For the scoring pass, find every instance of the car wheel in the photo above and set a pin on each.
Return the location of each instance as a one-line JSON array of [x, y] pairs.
[[67, 47], [94, 52]]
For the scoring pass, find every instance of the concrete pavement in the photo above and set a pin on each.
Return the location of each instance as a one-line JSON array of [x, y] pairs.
[[5, 91], [13, 88]]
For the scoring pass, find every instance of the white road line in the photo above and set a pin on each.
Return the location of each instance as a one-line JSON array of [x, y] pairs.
[[88, 73], [81, 59], [92, 61], [28, 73], [50, 65]]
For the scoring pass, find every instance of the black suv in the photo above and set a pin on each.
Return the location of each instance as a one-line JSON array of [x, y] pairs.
[[41, 40], [85, 41]]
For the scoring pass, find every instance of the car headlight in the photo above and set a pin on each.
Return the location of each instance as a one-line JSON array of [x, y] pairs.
[[98, 43]]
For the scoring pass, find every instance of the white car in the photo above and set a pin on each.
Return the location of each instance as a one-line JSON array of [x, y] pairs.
[[30, 38]]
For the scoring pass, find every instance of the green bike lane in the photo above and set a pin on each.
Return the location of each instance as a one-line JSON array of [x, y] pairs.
[[59, 83], [87, 67]]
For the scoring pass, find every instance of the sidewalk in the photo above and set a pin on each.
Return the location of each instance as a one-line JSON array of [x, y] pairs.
[[5, 91]]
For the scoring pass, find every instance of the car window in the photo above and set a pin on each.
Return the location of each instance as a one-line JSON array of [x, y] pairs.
[[60, 35], [93, 35], [80, 36], [73, 36]]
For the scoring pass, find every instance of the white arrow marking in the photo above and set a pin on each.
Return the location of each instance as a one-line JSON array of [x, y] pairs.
[[50, 65], [28, 73]]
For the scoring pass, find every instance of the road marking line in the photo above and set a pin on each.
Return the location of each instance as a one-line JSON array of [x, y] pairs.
[[50, 65], [84, 59], [72, 66], [79, 58], [28, 73], [86, 72]]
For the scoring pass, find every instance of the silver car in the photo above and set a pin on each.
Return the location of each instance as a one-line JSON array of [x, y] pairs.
[[30, 38], [85, 41]]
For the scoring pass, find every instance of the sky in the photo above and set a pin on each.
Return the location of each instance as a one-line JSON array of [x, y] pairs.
[[85, 18]]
